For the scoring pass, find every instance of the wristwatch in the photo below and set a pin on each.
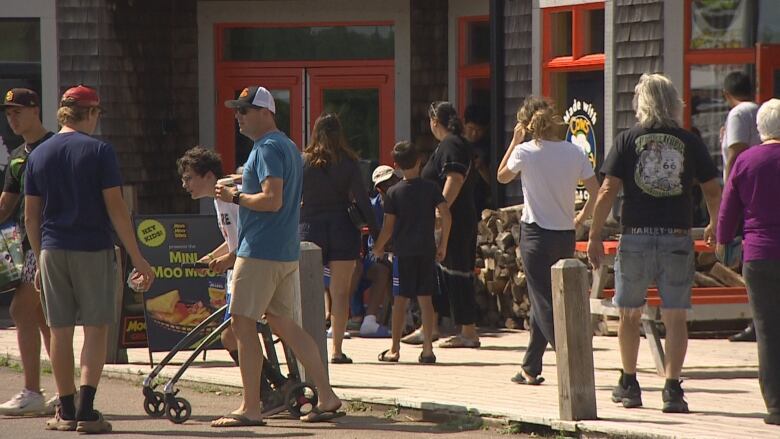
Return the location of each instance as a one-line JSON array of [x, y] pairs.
[[237, 198]]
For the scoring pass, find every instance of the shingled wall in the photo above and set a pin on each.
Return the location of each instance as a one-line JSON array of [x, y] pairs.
[[141, 55], [429, 64], [639, 34]]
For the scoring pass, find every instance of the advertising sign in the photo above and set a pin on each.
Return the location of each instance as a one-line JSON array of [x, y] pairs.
[[180, 298], [581, 119]]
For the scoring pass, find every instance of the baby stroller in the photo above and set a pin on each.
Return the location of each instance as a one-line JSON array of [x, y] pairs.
[[279, 392]]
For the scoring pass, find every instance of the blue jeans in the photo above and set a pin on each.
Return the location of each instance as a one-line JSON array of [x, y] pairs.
[[669, 260]]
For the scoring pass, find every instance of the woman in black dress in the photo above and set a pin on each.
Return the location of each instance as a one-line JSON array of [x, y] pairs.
[[451, 167], [331, 181]]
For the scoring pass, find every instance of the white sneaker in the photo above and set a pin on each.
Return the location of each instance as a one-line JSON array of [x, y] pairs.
[[24, 403], [51, 405]]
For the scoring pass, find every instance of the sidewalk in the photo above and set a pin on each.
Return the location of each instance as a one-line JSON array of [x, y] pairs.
[[720, 381]]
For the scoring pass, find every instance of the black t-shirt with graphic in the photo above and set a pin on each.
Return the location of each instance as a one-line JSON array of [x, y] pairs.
[[14, 179], [413, 202], [454, 154], [658, 168]]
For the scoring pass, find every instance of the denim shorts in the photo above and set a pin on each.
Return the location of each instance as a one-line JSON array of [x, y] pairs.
[[667, 260]]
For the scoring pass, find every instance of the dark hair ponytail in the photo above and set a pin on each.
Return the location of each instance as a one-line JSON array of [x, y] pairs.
[[444, 113]]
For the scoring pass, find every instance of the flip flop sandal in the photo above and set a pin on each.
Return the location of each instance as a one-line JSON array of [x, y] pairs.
[[426, 359], [322, 415], [520, 379], [341, 359], [235, 420], [386, 358], [458, 341]]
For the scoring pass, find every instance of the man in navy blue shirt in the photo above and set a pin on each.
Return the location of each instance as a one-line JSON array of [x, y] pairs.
[[72, 198]]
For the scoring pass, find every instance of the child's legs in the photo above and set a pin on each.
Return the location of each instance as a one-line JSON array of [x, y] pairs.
[[399, 316], [428, 318]]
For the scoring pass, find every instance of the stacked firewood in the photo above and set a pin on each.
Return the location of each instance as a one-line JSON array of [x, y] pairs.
[[502, 292]]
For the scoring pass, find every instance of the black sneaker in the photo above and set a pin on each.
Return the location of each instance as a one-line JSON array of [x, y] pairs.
[[630, 396], [674, 399]]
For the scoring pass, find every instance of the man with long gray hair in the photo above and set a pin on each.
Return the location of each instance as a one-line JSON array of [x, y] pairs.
[[656, 163]]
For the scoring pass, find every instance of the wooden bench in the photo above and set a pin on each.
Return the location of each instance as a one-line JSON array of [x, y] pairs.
[[711, 303]]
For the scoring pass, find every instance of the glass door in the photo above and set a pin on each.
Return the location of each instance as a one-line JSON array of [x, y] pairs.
[[768, 71], [362, 97], [286, 86]]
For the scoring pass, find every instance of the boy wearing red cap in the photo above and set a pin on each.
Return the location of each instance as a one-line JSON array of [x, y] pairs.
[[22, 110], [72, 199]]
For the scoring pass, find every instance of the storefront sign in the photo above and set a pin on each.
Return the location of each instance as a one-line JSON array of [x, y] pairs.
[[180, 298], [581, 119]]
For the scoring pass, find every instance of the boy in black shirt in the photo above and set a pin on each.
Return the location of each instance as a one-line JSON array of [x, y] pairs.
[[410, 217]]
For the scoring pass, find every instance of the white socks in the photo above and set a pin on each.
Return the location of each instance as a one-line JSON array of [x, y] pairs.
[[369, 325]]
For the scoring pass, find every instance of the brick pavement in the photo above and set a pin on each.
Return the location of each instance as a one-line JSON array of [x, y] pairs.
[[720, 383]]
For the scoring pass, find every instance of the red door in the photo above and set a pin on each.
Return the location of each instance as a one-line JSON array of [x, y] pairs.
[[361, 96], [286, 85], [363, 99], [768, 71]]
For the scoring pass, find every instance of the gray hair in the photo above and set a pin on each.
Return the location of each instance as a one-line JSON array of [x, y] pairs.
[[657, 102], [768, 120]]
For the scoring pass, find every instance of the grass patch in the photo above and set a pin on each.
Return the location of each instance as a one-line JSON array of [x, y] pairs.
[[358, 406], [6, 361], [392, 412], [463, 423]]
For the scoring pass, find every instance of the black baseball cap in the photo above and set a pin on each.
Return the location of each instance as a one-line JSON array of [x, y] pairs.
[[20, 97]]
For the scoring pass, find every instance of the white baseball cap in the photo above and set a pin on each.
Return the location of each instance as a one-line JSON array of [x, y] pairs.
[[383, 173], [254, 96]]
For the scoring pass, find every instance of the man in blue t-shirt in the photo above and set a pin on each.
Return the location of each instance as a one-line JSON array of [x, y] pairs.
[[72, 198], [266, 266]]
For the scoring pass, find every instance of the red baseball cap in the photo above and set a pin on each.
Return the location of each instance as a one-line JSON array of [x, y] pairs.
[[81, 96]]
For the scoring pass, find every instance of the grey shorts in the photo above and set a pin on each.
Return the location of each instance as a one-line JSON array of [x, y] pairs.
[[669, 260], [78, 284]]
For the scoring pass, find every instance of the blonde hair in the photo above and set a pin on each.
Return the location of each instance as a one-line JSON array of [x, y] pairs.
[[657, 103], [70, 113], [539, 119], [768, 120]]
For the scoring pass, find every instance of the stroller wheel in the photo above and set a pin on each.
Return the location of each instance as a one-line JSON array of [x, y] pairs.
[[154, 405], [301, 399], [178, 412]]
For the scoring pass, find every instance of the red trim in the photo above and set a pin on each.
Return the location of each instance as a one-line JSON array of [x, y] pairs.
[[578, 60], [467, 72], [699, 296], [767, 64]]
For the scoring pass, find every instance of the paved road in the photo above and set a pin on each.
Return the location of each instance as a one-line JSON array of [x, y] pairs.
[[121, 402]]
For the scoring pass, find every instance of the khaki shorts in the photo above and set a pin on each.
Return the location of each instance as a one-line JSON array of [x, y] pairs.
[[78, 284], [262, 286]]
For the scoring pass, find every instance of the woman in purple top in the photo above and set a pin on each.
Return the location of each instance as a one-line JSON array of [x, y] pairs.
[[751, 193]]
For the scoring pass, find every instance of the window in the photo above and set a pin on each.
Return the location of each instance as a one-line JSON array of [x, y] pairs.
[[309, 43], [473, 62], [20, 66], [721, 36]]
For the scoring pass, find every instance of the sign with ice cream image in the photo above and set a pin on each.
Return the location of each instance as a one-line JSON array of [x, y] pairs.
[[581, 118]]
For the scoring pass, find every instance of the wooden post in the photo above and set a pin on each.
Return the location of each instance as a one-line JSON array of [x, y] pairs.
[[573, 340], [309, 303], [115, 354]]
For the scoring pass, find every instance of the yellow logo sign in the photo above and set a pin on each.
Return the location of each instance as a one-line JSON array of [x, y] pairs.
[[9, 96], [151, 233], [244, 93]]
